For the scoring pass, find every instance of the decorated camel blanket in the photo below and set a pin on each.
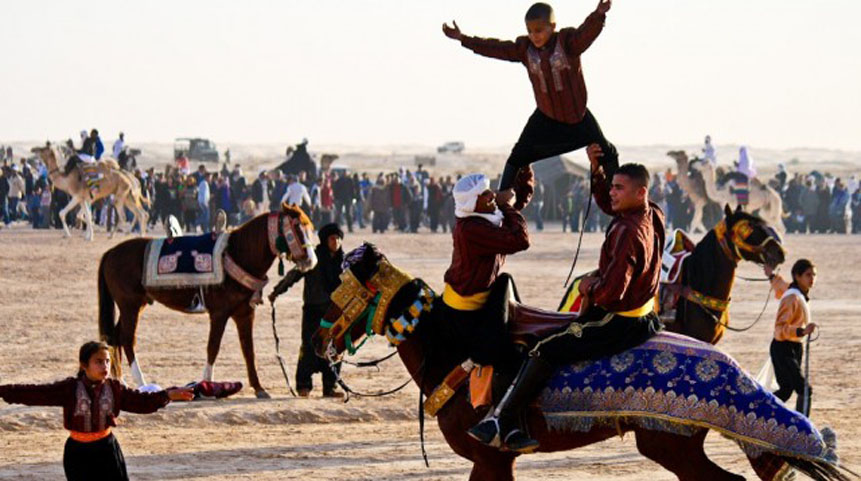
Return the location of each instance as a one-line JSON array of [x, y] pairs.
[[678, 384], [188, 261]]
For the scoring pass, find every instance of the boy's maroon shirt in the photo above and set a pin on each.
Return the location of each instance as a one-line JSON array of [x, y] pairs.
[[555, 71], [86, 408]]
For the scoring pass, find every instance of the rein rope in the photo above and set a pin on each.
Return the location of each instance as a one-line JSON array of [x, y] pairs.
[[278, 351], [580, 237], [368, 315]]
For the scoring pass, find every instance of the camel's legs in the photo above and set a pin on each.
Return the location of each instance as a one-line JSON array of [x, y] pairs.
[[88, 215], [71, 205]]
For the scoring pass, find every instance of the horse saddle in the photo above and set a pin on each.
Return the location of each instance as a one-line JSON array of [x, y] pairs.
[[527, 324], [186, 261]]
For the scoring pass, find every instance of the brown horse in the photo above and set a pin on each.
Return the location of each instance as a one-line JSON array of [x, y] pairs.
[[426, 354], [253, 247]]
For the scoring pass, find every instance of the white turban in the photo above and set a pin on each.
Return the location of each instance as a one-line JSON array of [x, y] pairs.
[[466, 192]]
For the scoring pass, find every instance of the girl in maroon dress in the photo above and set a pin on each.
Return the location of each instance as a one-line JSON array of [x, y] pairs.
[[91, 403]]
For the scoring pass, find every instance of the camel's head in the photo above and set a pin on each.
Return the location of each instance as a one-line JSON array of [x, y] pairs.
[[678, 155]]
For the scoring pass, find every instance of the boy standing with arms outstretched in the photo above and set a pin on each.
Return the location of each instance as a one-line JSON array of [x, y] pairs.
[[561, 123]]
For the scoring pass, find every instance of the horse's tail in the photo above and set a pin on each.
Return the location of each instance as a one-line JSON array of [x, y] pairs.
[[820, 470], [107, 319]]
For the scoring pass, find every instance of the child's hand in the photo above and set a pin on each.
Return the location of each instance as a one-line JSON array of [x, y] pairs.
[[180, 394], [810, 328], [604, 6], [452, 32]]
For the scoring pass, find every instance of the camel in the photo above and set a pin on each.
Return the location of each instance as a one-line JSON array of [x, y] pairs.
[[124, 186], [692, 187], [762, 198]]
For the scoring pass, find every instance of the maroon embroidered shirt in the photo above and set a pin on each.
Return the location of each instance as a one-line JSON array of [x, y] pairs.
[[87, 407], [630, 265], [554, 70]]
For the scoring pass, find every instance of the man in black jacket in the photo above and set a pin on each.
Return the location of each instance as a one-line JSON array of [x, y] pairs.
[[320, 282]]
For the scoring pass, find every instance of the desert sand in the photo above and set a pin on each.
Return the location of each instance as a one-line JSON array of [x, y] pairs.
[[48, 308]]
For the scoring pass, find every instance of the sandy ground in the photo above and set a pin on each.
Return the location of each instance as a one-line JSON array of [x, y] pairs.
[[48, 308]]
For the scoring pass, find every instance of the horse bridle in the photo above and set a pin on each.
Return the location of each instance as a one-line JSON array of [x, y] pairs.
[[736, 242], [283, 239]]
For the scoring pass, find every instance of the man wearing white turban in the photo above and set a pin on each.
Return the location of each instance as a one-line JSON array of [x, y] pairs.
[[489, 226]]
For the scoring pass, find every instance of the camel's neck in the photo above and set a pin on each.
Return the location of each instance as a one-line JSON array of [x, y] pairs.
[[710, 185]]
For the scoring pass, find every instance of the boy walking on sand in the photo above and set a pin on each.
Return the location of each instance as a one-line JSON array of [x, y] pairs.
[[561, 123]]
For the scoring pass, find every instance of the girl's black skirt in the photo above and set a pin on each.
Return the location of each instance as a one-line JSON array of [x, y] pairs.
[[102, 460]]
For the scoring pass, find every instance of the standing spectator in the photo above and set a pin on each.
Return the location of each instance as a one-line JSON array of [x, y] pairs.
[[538, 205], [16, 192], [279, 188], [4, 192], [344, 192], [824, 194], [380, 202], [203, 198], [364, 193], [856, 210], [415, 205], [400, 202], [223, 199], [434, 199], [261, 188], [359, 195], [838, 210], [327, 199], [119, 145], [238, 192], [809, 203], [45, 207], [447, 218], [189, 204], [296, 194], [182, 164]]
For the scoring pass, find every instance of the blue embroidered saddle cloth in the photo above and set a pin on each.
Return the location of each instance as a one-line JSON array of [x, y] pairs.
[[678, 384], [188, 261]]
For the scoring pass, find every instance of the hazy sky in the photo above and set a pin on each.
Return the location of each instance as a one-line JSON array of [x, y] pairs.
[[770, 73]]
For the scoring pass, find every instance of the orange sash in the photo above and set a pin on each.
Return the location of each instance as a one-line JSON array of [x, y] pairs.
[[90, 437]]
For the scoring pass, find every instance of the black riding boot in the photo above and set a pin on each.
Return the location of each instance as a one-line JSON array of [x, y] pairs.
[[504, 426]]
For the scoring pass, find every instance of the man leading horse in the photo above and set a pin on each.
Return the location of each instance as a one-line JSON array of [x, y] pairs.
[[620, 296]]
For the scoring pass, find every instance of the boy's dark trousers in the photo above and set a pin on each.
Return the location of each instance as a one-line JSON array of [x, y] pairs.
[[309, 363], [786, 358], [543, 137]]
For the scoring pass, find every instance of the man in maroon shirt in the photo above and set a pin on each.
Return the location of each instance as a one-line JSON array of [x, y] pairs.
[[561, 123], [620, 299], [489, 226]]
